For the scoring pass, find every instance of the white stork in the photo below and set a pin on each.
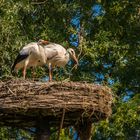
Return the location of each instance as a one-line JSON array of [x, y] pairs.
[[57, 55], [31, 55]]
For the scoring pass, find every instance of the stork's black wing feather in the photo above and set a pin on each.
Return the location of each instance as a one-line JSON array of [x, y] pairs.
[[19, 58]]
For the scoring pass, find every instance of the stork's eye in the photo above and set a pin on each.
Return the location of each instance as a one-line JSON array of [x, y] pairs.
[[72, 52]]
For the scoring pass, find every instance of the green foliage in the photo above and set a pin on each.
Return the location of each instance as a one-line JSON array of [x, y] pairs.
[[64, 135], [110, 46], [7, 133], [123, 124]]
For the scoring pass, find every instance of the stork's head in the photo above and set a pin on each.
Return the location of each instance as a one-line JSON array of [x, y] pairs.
[[72, 55], [42, 42]]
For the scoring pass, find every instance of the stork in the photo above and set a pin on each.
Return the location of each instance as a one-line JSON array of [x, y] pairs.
[[57, 55], [31, 55]]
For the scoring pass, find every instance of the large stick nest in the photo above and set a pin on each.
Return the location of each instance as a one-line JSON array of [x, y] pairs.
[[24, 102]]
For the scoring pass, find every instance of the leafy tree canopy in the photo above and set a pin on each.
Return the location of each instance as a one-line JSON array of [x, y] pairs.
[[109, 49]]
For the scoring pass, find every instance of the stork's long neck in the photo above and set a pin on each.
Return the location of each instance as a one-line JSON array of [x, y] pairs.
[[67, 55], [42, 53]]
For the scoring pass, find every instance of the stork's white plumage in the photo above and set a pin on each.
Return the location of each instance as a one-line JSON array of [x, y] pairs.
[[57, 55], [31, 55], [41, 53]]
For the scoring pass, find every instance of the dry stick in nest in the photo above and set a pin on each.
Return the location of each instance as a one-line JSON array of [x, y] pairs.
[[61, 124]]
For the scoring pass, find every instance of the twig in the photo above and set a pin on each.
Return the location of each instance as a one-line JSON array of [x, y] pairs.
[[80, 52], [61, 124], [42, 2], [10, 90]]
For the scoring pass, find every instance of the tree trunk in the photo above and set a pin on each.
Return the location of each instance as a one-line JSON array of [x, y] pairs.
[[84, 130], [43, 131]]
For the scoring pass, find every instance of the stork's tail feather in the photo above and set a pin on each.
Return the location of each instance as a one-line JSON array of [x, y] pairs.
[[12, 70], [18, 60], [13, 67]]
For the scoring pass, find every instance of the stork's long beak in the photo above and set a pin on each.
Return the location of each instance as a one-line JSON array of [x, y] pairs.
[[75, 60], [43, 42]]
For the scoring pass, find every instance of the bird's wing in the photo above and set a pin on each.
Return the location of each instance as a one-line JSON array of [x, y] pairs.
[[50, 53], [18, 59], [53, 46], [23, 54]]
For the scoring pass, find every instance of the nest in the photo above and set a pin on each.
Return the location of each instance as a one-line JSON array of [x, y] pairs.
[[24, 102]]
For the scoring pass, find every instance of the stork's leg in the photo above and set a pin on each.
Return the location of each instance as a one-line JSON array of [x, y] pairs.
[[24, 72], [33, 72], [25, 67], [50, 72]]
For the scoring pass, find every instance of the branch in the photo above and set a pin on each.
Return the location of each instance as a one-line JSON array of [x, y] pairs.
[[42, 2]]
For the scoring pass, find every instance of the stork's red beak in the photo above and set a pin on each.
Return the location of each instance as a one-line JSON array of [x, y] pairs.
[[76, 61], [43, 42]]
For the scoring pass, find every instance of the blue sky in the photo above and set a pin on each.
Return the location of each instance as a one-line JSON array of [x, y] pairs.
[[96, 10]]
